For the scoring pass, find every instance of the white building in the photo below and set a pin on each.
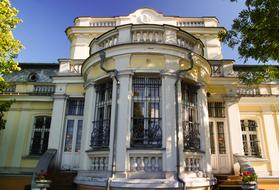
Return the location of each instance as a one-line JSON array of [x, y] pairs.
[[147, 101]]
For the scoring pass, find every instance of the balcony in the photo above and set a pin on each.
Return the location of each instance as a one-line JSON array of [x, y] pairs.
[[191, 136], [100, 134], [261, 90], [70, 67], [155, 34], [32, 90], [146, 132], [44, 89]]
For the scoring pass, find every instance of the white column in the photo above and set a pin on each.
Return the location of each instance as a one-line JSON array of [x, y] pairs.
[[123, 123], [180, 128], [113, 120], [169, 122], [272, 141], [235, 132], [56, 133], [89, 109], [204, 128]]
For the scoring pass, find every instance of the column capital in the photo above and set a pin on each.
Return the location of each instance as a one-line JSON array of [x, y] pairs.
[[200, 85], [89, 83], [60, 96], [168, 73], [125, 73], [231, 99]]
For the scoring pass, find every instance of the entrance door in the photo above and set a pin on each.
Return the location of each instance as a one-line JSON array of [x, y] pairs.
[[220, 160], [71, 150]]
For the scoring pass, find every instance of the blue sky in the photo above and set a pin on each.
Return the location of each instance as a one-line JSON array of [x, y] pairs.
[[44, 21]]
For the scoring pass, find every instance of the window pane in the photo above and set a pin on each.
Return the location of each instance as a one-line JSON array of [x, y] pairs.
[[39, 122], [80, 107], [78, 137], [72, 106], [221, 138], [212, 141], [47, 122], [250, 139], [69, 136], [45, 142], [36, 143], [138, 131], [216, 109], [139, 91], [75, 107], [39, 142], [153, 110]]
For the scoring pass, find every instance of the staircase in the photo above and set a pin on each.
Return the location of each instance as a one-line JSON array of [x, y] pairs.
[[228, 182], [63, 180]]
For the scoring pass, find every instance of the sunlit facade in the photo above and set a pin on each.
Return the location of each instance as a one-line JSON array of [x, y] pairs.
[[143, 101]]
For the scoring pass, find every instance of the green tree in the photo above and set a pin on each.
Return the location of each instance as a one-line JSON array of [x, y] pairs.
[[256, 34], [9, 49]]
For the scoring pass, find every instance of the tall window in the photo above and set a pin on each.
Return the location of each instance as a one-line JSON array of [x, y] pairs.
[[40, 134], [101, 123], [75, 107], [146, 120], [191, 135], [250, 138], [74, 120], [216, 109]]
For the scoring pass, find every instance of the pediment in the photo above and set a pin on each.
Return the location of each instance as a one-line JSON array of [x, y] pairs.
[[145, 16]]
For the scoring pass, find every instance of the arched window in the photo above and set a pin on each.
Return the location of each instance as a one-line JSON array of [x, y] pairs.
[[250, 138], [40, 134]]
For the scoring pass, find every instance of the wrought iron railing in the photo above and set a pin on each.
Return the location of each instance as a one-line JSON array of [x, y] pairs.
[[100, 134], [146, 132], [191, 136]]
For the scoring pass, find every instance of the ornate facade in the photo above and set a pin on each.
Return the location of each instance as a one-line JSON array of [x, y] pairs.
[[143, 101]]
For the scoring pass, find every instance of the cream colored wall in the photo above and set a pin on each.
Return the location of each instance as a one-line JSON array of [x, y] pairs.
[[15, 139], [75, 90], [147, 61], [266, 117], [96, 72]]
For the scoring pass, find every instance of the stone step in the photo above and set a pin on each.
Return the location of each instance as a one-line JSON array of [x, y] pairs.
[[63, 180]]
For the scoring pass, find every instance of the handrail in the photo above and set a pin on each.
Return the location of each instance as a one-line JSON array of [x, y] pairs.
[[42, 165]]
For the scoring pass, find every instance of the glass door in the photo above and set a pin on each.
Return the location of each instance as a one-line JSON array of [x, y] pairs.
[[72, 142], [220, 161]]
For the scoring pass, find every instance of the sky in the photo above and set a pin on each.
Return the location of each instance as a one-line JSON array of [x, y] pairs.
[[44, 21]]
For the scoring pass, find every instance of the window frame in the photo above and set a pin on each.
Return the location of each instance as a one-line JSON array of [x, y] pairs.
[[44, 130], [256, 132], [190, 117], [149, 119], [99, 121]]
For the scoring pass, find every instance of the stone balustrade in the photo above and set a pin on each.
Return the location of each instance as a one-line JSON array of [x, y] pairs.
[[99, 161], [248, 91], [103, 23], [190, 23], [192, 162], [146, 162], [10, 89], [69, 66], [44, 89], [146, 34], [109, 41]]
